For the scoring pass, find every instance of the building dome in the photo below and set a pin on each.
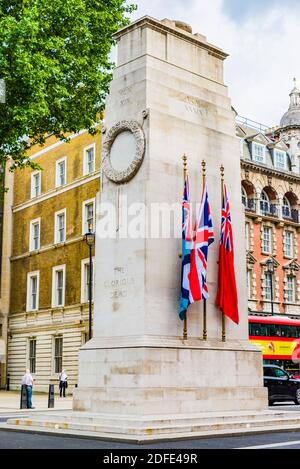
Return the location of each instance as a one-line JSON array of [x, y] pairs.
[[292, 116]]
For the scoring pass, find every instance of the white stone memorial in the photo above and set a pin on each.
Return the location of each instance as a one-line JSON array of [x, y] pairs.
[[167, 98]]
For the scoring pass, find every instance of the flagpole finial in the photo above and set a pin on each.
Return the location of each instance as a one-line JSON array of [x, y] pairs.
[[184, 158], [222, 171], [204, 168]]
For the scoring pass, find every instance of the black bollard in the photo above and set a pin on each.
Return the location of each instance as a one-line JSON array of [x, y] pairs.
[[23, 401], [51, 396]]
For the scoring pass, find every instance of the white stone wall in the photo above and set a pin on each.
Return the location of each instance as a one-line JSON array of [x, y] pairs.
[[180, 83], [72, 332]]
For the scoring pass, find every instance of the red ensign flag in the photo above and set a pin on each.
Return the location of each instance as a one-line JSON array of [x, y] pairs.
[[227, 298]]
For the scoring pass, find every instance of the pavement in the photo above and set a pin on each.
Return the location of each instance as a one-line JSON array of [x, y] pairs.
[[14, 439], [10, 402]]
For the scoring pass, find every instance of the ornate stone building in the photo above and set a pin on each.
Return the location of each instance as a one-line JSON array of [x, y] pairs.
[[52, 208], [270, 167]]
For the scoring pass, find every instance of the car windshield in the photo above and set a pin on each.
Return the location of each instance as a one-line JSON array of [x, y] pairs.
[[280, 373], [275, 372]]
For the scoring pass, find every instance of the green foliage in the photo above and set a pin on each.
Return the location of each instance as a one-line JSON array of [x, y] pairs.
[[54, 60]]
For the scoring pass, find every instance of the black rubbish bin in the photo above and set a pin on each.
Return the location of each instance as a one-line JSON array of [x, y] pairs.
[[23, 401], [51, 396]]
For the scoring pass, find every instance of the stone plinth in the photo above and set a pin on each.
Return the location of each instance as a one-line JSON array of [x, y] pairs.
[[164, 376]]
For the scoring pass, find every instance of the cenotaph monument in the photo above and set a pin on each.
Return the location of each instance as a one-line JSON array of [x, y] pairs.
[[139, 380], [167, 98]]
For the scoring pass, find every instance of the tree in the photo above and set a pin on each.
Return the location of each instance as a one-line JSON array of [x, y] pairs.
[[54, 59]]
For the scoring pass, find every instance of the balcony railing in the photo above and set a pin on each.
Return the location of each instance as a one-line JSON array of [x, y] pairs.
[[270, 210], [250, 205], [290, 214]]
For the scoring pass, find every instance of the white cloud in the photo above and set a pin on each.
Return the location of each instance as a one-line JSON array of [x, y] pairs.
[[263, 50]]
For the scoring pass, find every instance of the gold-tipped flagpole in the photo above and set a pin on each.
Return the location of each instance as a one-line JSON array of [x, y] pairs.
[[204, 334], [222, 196], [184, 158]]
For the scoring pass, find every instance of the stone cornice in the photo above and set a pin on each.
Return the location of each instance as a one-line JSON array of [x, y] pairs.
[[57, 191], [270, 171], [164, 28], [51, 247]]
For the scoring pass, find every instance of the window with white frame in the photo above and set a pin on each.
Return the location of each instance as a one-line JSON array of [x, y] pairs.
[[265, 206], [89, 159], [60, 227], [290, 289], [58, 286], [61, 172], [85, 280], [258, 152], [35, 184], [268, 286], [88, 215], [244, 197], [34, 234], [58, 354], [288, 243], [247, 235], [280, 159], [33, 281], [267, 239], [286, 208], [32, 354], [249, 283]]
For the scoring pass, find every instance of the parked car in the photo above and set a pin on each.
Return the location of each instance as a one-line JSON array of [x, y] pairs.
[[281, 386]]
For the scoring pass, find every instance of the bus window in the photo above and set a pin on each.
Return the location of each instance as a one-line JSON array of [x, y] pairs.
[[264, 330], [288, 331], [254, 328], [271, 330]]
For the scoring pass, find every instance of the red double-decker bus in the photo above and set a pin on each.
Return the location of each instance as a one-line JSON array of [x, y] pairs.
[[278, 337]]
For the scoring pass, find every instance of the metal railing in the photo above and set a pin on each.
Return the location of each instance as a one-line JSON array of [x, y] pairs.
[[252, 124], [290, 214], [250, 205], [270, 210]]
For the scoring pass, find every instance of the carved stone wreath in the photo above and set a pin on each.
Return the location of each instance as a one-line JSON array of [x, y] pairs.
[[128, 173]]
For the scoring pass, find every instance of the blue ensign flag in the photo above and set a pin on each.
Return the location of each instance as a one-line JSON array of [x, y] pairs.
[[186, 251]]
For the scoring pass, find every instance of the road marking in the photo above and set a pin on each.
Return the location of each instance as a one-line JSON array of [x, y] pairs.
[[272, 445]]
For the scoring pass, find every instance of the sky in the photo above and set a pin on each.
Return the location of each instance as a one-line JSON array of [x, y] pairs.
[[261, 38]]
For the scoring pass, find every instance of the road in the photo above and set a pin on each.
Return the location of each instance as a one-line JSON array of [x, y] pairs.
[[20, 440]]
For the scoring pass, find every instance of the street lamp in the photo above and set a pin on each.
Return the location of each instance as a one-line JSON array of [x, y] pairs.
[[271, 269], [90, 241]]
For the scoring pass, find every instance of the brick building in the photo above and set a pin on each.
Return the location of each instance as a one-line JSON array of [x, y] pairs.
[[51, 211]]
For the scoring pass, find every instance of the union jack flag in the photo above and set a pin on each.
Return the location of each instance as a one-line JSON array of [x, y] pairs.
[[203, 237], [226, 227]]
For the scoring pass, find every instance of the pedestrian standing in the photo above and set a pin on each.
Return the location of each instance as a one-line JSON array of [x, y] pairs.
[[27, 381], [63, 383]]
